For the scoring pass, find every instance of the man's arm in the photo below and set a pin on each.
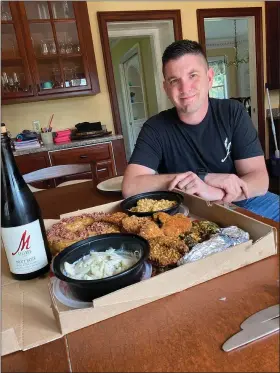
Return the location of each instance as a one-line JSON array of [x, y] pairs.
[[252, 180], [141, 179], [253, 171]]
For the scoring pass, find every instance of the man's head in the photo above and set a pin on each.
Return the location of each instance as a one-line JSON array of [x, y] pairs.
[[187, 77]]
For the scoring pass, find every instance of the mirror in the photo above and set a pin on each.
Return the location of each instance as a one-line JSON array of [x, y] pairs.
[[133, 66], [232, 40]]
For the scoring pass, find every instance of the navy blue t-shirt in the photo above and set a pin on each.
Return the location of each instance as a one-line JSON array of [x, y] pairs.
[[168, 145]]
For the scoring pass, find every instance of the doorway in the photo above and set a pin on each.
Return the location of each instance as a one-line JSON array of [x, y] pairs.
[[133, 43], [133, 96], [235, 34]]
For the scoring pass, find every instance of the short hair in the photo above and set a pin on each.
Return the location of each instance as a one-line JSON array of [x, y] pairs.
[[181, 47]]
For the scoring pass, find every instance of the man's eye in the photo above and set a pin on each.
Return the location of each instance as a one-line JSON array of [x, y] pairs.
[[193, 75], [173, 81]]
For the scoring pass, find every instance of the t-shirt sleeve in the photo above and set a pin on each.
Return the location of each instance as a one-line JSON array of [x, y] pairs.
[[245, 141], [147, 151]]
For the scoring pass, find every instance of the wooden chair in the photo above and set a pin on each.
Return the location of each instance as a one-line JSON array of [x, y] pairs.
[[54, 172]]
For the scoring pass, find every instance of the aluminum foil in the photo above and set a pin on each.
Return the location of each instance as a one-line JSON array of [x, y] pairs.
[[226, 238]]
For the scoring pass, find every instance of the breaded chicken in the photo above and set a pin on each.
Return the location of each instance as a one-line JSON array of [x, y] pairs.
[[150, 230], [115, 218], [177, 225], [76, 223], [133, 224], [100, 227], [161, 217], [166, 251], [57, 245]]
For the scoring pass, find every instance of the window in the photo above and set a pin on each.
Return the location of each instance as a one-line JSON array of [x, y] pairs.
[[220, 82]]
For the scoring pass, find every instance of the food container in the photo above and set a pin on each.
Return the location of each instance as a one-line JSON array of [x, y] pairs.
[[130, 202], [87, 290]]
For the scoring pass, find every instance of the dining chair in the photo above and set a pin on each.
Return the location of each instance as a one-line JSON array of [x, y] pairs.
[[54, 172]]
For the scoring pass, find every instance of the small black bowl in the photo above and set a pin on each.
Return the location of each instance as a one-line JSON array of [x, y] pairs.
[[130, 202], [87, 290]]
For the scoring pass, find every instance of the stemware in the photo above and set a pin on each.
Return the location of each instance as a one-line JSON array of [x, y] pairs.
[[16, 81], [69, 46], [44, 48]]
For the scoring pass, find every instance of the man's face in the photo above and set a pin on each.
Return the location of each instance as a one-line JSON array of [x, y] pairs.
[[187, 83]]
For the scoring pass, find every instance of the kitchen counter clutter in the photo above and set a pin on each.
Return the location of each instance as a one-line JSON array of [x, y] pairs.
[[68, 145]]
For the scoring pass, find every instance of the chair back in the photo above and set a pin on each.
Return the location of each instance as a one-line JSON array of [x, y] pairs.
[[56, 171]]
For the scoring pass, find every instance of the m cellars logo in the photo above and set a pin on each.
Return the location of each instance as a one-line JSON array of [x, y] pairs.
[[24, 244]]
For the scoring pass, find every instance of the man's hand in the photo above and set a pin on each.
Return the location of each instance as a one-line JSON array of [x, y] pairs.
[[190, 183], [233, 186]]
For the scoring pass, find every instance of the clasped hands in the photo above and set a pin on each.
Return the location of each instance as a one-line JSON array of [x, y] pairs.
[[217, 187]]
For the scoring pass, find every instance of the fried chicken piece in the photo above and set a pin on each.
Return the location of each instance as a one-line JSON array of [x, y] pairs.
[[115, 218], [161, 217], [57, 245], [100, 227], [176, 225], [150, 230], [76, 223], [166, 251], [133, 223]]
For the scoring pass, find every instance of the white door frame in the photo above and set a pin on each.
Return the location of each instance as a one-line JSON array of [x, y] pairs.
[[135, 49], [154, 36], [253, 71]]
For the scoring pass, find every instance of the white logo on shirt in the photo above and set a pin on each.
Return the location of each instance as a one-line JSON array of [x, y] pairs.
[[227, 146]]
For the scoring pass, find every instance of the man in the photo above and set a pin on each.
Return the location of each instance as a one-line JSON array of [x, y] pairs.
[[203, 146]]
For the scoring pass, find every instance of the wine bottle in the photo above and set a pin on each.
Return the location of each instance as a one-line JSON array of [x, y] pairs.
[[23, 231]]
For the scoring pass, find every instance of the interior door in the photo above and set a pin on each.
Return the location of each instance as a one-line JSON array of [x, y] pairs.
[[135, 102]]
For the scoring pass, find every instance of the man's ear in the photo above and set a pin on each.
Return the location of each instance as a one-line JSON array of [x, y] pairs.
[[210, 75], [164, 83]]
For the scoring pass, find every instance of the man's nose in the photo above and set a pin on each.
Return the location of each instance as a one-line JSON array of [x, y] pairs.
[[186, 85]]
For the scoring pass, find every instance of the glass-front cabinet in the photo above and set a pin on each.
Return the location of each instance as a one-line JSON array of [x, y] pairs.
[[47, 51]]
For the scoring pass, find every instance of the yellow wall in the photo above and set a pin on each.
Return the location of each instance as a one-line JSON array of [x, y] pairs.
[[70, 111]]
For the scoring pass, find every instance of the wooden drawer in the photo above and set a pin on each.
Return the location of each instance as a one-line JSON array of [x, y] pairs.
[[85, 154], [33, 162]]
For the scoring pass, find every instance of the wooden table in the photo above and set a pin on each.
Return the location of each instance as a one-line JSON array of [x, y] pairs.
[[183, 332]]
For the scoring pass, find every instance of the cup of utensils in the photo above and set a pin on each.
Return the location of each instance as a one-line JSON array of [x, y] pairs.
[[47, 135]]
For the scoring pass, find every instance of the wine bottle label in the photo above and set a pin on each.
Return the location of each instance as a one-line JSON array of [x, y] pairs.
[[25, 248]]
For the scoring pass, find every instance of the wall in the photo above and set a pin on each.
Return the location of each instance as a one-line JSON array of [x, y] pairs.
[[70, 111]]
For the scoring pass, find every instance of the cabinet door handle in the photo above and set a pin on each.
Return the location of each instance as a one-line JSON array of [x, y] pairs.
[[83, 156], [101, 169]]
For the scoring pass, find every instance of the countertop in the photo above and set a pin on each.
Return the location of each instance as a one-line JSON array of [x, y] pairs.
[[275, 113], [69, 145]]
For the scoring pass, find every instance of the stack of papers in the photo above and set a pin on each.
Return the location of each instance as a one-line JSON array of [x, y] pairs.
[[27, 144]]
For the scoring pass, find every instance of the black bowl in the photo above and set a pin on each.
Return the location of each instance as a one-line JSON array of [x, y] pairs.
[[130, 202], [87, 290]]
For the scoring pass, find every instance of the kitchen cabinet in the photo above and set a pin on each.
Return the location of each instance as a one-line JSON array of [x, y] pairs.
[[47, 51], [100, 156], [272, 22], [107, 160], [33, 162]]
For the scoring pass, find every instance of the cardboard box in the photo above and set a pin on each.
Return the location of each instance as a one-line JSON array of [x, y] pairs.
[[262, 245], [27, 317]]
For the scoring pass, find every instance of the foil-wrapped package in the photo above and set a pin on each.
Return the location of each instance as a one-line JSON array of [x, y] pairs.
[[226, 238], [238, 235]]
